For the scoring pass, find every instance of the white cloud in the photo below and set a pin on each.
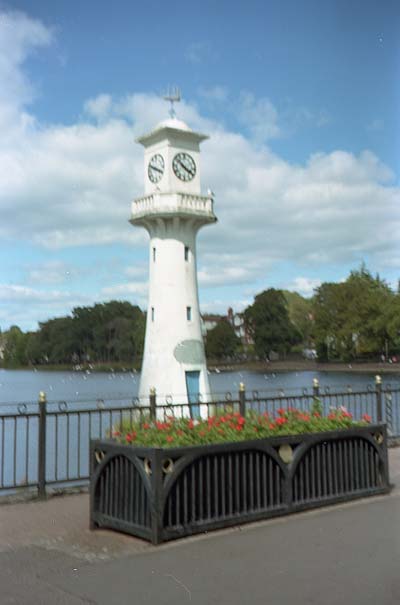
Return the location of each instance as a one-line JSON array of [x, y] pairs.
[[259, 117], [25, 306], [214, 93], [136, 292], [137, 271], [304, 285], [19, 36], [52, 272], [99, 107], [66, 186]]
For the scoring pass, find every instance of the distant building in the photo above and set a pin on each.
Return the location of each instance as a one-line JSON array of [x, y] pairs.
[[209, 321]]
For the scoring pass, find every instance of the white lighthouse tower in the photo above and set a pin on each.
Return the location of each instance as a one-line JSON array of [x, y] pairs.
[[172, 211]]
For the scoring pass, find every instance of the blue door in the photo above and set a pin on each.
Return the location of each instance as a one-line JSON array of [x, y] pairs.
[[193, 391]]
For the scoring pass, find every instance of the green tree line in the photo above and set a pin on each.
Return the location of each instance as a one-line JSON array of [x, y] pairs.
[[358, 318], [355, 319], [104, 333]]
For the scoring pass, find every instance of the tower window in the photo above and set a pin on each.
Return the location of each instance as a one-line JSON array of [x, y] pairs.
[[186, 253], [189, 313], [154, 255], [152, 313]]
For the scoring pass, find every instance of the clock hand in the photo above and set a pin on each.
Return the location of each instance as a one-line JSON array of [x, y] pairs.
[[156, 168], [186, 168]]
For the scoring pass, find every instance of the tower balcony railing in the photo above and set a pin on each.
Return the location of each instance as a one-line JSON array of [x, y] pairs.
[[177, 203]]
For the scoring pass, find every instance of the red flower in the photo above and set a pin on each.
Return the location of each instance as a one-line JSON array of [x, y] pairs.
[[347, 415], [202, 433], [367, 417], [190, 424], [280, 421], [131, 436], [169, 438], [281, 412], [116, 434], [272, 426], [241, 420], [146, 425], [221, 431], [316, 415], [332, 416]]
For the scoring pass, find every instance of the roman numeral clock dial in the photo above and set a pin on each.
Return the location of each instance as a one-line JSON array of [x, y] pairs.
[[155, 169], [184, 166]]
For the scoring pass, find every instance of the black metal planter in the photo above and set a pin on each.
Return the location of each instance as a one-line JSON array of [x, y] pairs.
[[161, 494]]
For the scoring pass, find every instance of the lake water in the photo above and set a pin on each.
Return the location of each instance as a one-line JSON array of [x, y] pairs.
[[17, 386], [68, 434]]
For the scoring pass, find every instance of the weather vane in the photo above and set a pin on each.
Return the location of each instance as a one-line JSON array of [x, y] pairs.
[[173, 96]]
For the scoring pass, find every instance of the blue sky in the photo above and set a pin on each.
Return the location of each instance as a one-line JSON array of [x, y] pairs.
[[300, 101]]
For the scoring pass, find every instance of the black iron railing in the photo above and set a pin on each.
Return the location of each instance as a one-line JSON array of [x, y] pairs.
[[46, 443]]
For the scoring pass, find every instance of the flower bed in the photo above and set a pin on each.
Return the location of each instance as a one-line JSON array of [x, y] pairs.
[[165, 480], [232, 427]]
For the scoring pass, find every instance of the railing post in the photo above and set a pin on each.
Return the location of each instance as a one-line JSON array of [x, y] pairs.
[[315, 388], [378, 386], [42, 445], [153, 403], [242, 399]]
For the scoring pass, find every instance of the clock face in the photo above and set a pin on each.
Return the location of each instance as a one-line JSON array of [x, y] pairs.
[[184, 166], [155, 169]]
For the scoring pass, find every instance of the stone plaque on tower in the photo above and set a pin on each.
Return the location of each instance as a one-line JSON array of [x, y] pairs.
[[172, 211]]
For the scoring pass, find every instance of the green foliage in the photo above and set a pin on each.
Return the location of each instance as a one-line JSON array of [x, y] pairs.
[[268, 321], [14, 351], [222, 342], [316, 407], [356, 318], [108, 332], [300, 314], [232, 427]]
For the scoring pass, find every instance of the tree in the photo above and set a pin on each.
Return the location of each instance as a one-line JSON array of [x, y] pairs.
[[300, 314], [14, 348], [355, 318], [267, 320], [105, 332], [222, 341]]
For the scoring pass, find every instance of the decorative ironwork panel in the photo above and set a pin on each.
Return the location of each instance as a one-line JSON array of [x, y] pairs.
[[222, 486], [120, 493], [335, 468]]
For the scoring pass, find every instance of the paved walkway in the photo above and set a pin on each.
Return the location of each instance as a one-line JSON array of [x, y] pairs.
[[342, 554]]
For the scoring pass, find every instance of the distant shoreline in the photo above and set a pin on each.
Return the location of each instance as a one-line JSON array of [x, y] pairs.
[[310, 366], [298, 365]]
